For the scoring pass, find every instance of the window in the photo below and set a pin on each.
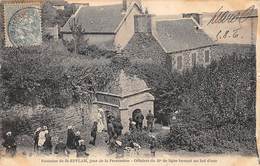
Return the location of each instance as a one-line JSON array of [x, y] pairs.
[[194, 59], [206, 56], [179, 62]]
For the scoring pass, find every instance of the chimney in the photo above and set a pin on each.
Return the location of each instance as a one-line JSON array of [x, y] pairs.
[[195, 16], [143, 23], [124, 9]]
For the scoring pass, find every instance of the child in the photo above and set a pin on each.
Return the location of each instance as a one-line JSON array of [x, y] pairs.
[[61, 149], [81, 149], [119, 149], [9, 144]]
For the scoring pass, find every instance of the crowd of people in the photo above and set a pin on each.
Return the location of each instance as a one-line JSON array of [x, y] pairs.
[[43, 140]]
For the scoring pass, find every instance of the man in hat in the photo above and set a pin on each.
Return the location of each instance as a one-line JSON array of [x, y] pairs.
[[9, 144], [47, 144], [94, 133], [70, 138], [118, 127], [110, 129], [139, 121], [150, 121]]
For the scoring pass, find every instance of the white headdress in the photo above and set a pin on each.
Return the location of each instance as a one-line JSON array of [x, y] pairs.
[[38, 129], [81, 141], [9, 133]]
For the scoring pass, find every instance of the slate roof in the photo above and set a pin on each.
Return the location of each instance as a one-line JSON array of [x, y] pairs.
[[122, 84], [180, 35], [98, 19]]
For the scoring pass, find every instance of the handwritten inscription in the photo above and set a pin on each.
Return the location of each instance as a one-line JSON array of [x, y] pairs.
[[225, 34], [231, 17]]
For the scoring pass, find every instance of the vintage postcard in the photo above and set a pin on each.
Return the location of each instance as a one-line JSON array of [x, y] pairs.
[[129, 82]]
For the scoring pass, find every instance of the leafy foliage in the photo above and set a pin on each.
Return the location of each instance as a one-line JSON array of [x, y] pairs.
[[217, 112]]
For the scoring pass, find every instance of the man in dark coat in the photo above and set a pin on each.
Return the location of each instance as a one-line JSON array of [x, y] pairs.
[[61, 149], [110, 130], [70, 138], [9, 144], [77, 138], [150, 121], [139, 119], [47, 144], [118, 127], [94, 133]]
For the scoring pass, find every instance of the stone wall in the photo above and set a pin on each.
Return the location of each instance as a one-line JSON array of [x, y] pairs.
[[143, 46], [216, 52], [56, 119], [187, 58]]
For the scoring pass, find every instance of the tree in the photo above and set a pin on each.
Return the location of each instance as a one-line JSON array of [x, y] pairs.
[[77, 32]]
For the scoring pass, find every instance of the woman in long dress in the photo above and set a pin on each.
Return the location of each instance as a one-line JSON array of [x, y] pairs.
[[42, 137], [70, 138], [101, 120]]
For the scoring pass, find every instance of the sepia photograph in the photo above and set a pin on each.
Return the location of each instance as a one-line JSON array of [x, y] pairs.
[[129, 82]]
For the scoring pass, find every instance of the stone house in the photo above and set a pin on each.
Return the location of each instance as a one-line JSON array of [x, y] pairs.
[[108, 27], [177, 44], [184, 41], [123, 97]]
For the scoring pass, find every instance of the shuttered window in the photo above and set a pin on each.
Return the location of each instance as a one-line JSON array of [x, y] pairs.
[[179, 62], [206, 56], [194, 59]]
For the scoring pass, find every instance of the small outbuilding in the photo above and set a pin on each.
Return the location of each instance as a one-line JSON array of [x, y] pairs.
[[124, 97]]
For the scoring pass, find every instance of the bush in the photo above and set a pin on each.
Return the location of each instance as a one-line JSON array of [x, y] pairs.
[[142, 138], [217, 108], [18, 125]]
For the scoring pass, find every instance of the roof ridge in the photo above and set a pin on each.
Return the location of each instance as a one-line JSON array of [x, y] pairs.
[[172, 19]]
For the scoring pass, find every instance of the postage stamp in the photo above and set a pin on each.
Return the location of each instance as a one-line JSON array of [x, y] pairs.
[[22, 23]]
